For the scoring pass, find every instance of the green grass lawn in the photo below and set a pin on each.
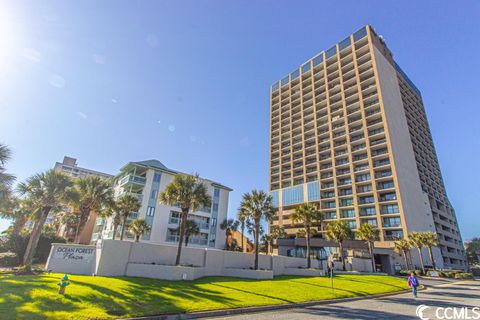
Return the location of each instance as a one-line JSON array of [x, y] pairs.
[[35, 297]]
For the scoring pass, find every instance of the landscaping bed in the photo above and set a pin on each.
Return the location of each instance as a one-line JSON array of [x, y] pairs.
[[36, 297]]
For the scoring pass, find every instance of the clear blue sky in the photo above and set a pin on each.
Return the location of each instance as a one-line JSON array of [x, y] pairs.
[[187, 82]]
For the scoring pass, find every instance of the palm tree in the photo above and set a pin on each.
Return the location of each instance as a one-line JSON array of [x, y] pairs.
[[126, 205], [191, 229], [369, 234], [266, 239], [403, 246], [430, 239], [242, 218], [69, 219], [93, 193], [111, 211], [46, 191], [117, 221], [339, 231], [6, 179], [230, 226], [308, 215], [275, 233], [189, 193], [416, 238], [18, 210], [258, 207], [139, 227]]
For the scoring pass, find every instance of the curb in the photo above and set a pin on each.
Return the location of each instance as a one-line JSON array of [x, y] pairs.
[[227, 312]]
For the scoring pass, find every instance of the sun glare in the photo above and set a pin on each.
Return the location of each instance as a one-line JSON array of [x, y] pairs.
[[9, 34]]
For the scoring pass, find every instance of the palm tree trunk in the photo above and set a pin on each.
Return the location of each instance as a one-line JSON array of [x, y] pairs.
[[372, 256], [341, 256], [307, 238], [243, 230], [257, 228], [186, 241], [81, 225], [227, 236], [77, 231], [34, 237], [405, 259], [137, 238], [18, 225], [124, 224], [115, 228], [430, 252], [421, 259], [181, 236]]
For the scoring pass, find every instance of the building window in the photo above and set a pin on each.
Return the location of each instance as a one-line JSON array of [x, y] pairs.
[[350, 213], [367, 211], [368, 199], [156, 177], [306, 67], [313, 191], [284, 81], [331, 215], [292, 195], [390, 208], [363, 177], [275, 87], [216, 192], [391, 222], [392, 235], [215, 207], [274, 195], [346, 202], [150, 211], [174, 217], [388, 196], [317, 60], [294, 74], [153, 195], [360, 34], [373, 222], [345, 43], [331, 52], [352, 224]]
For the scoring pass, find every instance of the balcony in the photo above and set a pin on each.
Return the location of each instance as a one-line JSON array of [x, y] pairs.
[[132, 179], [139, 196]]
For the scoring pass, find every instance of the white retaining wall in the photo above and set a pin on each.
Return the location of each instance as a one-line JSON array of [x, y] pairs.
[[126, 258]]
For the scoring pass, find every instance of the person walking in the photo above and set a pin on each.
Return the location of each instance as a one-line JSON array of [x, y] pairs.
[[413, 283]]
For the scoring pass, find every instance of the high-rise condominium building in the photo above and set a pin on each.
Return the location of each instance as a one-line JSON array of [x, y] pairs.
[[146, 180], [349, 132], [70, 168]]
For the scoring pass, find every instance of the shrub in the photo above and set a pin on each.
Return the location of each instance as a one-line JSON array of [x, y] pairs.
[[463, 275], [408, 272], [18, 244], [8, 259], [442, 274], [476, 271]]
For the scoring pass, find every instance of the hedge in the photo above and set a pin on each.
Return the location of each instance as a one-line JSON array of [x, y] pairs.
[[8, 259]]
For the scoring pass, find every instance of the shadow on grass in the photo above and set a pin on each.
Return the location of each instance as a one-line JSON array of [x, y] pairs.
[[34, 297]]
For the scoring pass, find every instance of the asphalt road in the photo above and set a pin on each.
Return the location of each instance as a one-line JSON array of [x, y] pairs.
[[439, 293]]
